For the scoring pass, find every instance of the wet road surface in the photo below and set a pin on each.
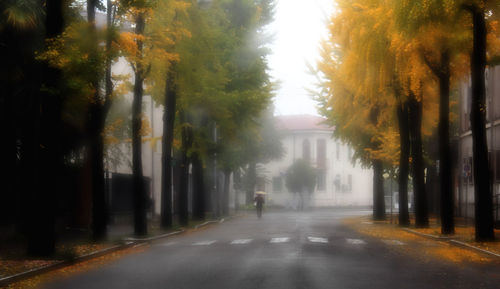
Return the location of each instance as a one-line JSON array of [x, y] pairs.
[[282, 250]]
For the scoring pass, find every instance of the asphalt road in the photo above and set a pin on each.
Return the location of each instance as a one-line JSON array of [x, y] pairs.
[[282, 250]]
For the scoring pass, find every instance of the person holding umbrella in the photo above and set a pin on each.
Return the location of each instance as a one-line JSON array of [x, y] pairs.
[[259, 202]]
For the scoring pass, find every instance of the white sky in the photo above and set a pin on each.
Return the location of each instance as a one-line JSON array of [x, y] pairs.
[[298, 27]]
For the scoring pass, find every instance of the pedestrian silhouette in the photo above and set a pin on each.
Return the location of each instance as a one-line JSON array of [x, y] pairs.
[[259, 203]]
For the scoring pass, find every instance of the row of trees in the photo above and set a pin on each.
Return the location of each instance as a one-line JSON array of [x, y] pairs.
[[387, 72], [204, 61]]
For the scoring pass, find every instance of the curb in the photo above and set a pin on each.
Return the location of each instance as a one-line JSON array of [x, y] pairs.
[[434, 237], [60, 264], [454, 242], [208, 223], [129, 242], [465, 245], [154, 238]]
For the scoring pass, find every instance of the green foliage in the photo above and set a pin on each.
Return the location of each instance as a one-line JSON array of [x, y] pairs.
[[301, 177]]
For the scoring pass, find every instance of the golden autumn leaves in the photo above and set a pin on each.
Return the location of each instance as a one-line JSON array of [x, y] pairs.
[[379, 53]]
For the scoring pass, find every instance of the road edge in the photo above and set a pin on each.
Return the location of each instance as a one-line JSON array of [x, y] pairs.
[[128, 243]]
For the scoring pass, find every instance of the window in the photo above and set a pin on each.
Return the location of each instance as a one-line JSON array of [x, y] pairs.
[[306, 150], [349, 183], [466, 170], [321, 180], [321, 153], [336, 183], [349, 153], [277, 184], [338, 151]]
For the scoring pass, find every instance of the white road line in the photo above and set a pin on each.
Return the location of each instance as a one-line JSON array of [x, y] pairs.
[[393, 242], [355, 241], [167, 244], [279, 240], [240, 241], [204, 243], [317, 240]]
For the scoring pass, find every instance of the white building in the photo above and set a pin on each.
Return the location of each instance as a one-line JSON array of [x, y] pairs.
[[340, 181]]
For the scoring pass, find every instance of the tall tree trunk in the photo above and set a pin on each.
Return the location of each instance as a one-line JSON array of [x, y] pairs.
[[445, 167], [49, 156], [140, 221], [251, 181], [420, 195], [237, 187], [482, 181], [378, 190], [96, 154], [97, 119], [8, 155], [187, 140], [167, 141], [225, 194], [198, 187], [404, 138]]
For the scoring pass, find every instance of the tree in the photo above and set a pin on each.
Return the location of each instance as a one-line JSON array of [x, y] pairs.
[[301, 180], [433, 30], [140, 11], [483, 200], [98, 109], [30, 117]]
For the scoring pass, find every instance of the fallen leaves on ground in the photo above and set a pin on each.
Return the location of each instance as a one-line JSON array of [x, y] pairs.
[[418, 246], [11, 265], [74, 269]]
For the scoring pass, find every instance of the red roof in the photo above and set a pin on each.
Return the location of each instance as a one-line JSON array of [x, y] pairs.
[[301, 122]]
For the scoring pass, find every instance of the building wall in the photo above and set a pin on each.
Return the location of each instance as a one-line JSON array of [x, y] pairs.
[[337, 167], [465, 192], [151, 148]]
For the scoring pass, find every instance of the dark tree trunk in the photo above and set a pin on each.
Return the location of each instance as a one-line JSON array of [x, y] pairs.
[[378, 190], [97, 119], [187, 140], [404, 138], [19, 87], [225, 194], [207, 177], [167, 141], [420, 196], [49, 157], [96, 154], [8, 155], [198, 188], [250, 183], [445, 174], [482, 180], [237, 187], [140, 221]]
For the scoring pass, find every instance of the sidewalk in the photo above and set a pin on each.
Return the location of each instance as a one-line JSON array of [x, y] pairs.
[[77, 254], [428, 244]]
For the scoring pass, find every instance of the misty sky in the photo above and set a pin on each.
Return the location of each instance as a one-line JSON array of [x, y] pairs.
[[298, 27]]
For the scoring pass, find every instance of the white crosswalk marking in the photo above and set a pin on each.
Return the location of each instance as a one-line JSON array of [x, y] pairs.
[[393, 242], [317, 240], [280, 240], [240, 241], [204, 243], [355, 241], [168, 244]]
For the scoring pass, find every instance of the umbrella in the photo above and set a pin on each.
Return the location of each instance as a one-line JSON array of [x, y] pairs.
[[260, 193]]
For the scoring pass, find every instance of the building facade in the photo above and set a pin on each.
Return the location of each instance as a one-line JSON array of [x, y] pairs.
[[464, 197], [340, 181]]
